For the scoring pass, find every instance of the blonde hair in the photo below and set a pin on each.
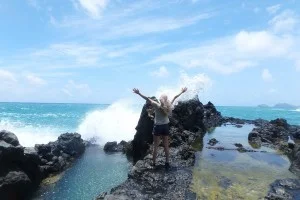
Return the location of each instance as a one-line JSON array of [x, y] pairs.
[[165, 104]]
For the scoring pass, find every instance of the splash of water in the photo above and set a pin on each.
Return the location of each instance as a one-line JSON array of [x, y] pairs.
[[29, 135], [114, 123], [195, 84]]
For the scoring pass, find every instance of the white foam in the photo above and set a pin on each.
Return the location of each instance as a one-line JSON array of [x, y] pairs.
[[30, 135], [115, 123], [297, 110]]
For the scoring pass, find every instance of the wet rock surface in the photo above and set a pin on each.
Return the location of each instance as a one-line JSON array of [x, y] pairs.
[[284, 189], [213, 142], [22, 169], [277, 134]]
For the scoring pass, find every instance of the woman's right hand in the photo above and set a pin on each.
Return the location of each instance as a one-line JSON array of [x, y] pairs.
[[183, 90]]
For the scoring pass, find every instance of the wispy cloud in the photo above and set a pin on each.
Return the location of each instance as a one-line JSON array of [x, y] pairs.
[[35, 80], [34, 4], [272, 91], [273, 9], [94, 8], [131, 27], [266, 75], [161, 72], [72, 89], [7, 76], [285, 21]]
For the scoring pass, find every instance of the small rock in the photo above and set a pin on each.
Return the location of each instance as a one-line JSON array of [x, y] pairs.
[[238, 145], [213, 142]]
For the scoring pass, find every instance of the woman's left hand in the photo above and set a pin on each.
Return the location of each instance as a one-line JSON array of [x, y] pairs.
[[136, 91]]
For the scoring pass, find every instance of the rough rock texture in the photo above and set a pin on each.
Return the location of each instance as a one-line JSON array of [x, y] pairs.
[[22, 169], [144, 181], [284, 189], [212, 117], [275, 134], [115, 147], [58, 155], [190, 116], [19, 170]]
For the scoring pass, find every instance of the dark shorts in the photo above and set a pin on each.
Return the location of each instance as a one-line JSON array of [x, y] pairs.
[[161, 130]]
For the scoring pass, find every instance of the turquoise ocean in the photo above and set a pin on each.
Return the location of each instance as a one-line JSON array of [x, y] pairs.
[[96, 171], [35, 123]]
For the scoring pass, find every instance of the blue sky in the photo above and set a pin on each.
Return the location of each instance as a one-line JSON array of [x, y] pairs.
[[95, 51]]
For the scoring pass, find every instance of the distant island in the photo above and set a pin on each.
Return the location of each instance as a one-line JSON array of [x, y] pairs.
[[280, 106], [263, 106]]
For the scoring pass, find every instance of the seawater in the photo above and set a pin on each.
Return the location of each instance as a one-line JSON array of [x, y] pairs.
[[230, 174], [36, 123], [292, 116], [94, 173]]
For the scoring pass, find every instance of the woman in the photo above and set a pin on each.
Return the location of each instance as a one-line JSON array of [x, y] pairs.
[[163, 109]]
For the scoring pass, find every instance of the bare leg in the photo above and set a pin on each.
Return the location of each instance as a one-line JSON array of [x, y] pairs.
[[166, 147], [156, 142]]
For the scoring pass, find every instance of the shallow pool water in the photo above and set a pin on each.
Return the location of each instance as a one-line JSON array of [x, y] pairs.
[[95, 172], [230, 174]]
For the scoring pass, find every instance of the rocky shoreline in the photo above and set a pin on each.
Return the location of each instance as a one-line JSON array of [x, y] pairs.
[[188, 124], [23, 169]]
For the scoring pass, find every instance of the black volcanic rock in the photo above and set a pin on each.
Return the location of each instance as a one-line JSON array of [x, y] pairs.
[[188, 115], [22, 169], [9, 137], [15, 185], [212, 117], [275, 132], [115, 147], [68, 147], [143, 137]]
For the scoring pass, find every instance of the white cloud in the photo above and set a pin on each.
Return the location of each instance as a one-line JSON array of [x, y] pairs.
[[231, 54], [72, 89], [35, 80], [142, 26], [195, 84], [262, 43], [71, 54], [93, 7], [129, 26], [161, 72], [7, 76], [266, 75], [273, 9], [284, 22]]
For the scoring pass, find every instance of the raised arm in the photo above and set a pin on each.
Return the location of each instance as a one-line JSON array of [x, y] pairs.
[[136, 91], [183, 90]]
